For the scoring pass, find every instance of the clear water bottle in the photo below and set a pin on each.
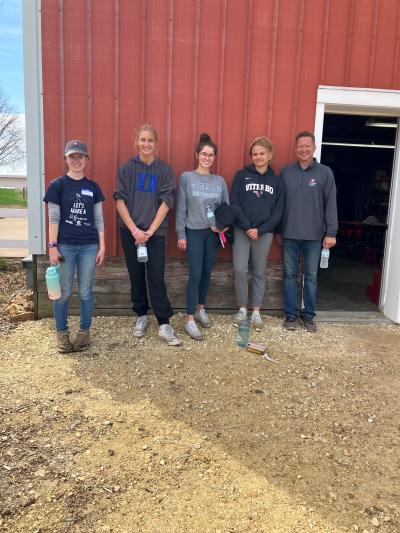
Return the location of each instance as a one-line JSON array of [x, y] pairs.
[[243, 334], [141, 251], [324, 258], [211, 217], [53, 282]]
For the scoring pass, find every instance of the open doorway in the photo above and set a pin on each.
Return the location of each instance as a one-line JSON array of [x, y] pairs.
[[360, 150]]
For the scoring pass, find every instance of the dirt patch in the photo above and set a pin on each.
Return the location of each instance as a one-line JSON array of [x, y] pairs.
[[15, 298], [136, 436]]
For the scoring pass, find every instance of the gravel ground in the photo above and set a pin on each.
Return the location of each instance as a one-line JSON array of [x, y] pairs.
[[136, 436]]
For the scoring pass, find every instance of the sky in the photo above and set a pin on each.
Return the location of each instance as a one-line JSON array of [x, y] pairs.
[[11, 56], [11, 63]]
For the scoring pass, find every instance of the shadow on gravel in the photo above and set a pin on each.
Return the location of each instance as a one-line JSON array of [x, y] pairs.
[[320, 424]]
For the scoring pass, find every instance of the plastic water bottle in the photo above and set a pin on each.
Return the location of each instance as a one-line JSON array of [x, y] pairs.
[[324, 258], [211, 217], [53, 283], [243, 334], [141, 251]]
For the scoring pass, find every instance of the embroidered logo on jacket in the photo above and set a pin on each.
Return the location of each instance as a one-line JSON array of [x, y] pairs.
[[312, 182]]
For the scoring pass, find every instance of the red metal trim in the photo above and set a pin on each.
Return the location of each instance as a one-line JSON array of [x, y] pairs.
[[297, 71], [196, 73], [324, 42], [349, 43], [114, 241], [90, 76], [170, 74], [144, 59], [247, 76], [274, 46], [62, 77], [221, 79], [373, 44], [396, 69]]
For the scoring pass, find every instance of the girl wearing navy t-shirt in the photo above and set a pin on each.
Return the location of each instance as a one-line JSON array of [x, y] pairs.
[[76, 241]]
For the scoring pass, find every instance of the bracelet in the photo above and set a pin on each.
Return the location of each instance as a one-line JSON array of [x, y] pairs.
[[53, 244], [136, 230]]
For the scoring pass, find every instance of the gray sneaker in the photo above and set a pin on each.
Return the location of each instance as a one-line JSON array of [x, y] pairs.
[[82, 340], [63, 342], [256, 321], [239, 317], [140, 326], [168, 335], [202, 317], [193, 331]]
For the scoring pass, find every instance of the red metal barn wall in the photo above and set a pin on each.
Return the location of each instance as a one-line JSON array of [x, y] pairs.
[[234, 68]]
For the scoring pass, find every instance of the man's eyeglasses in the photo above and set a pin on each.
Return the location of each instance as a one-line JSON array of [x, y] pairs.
[[207, 156]]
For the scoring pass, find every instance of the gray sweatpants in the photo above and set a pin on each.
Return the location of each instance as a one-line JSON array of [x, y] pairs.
[[243, 249]]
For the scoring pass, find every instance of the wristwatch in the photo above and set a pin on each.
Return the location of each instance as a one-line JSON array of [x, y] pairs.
[[53, 244]]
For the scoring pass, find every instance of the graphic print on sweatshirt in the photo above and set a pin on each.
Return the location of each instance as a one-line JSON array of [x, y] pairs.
[[77, 215], [206, 191], [147, 182], [259, 189]]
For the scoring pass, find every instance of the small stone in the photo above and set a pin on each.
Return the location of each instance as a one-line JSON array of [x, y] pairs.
[[107, 423], [375, 522]]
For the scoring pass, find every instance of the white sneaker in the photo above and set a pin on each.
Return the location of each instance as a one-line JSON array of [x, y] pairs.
[[192, 330], [168, 335], [239, 317], [202, 317], [140, 326], [256, 321]]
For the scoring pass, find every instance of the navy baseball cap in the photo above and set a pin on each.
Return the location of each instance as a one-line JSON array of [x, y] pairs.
[[75, 147]]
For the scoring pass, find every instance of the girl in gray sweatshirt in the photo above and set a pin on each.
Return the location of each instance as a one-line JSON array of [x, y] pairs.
[[199, 191]]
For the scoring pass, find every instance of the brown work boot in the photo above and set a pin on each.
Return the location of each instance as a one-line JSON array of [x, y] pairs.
[[309, 324], [82, 340], [63, 342], [290, 323]]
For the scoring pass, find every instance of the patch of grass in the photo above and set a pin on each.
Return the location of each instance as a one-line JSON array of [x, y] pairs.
[[12, 198], [3, 264]]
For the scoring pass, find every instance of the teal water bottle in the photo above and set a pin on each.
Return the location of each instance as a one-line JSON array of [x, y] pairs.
[[243, 334], [53, 282]]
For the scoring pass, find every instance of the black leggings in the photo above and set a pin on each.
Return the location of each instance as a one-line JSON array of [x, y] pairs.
[[154, 268]]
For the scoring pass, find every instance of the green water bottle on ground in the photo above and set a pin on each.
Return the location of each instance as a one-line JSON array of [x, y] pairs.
[[243, 334]]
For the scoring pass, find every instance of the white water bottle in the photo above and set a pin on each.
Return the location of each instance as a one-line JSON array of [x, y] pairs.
[[211, 217], [324, 258], [141, 251]]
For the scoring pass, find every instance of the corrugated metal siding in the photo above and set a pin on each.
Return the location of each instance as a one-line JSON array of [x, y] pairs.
[[233, 68]]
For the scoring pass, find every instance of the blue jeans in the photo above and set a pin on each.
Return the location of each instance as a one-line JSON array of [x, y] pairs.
[[311, 251], [201, 252], [83, 257]]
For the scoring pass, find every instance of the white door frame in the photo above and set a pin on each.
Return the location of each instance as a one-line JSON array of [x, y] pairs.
[[372, 102]]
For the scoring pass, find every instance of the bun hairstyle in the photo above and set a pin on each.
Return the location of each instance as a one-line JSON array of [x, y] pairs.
[[205, 140], [262, 141]]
